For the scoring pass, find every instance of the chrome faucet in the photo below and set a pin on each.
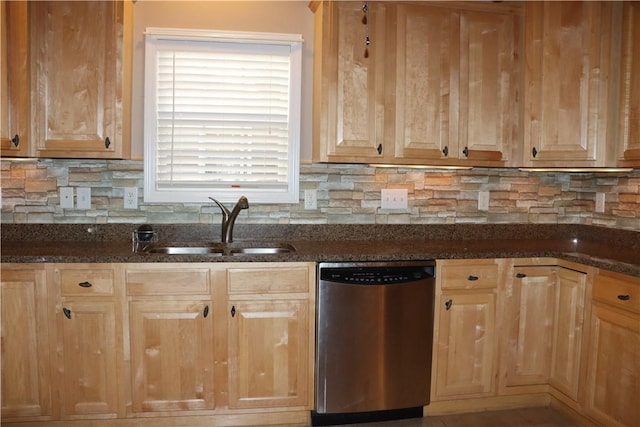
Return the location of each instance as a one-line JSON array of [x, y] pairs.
[[229, 218]]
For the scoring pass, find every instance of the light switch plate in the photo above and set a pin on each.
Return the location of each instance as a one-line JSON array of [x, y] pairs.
[[66, 197], [483, 201], [83, 195], [600, 199], [131, 198], [394, 198]]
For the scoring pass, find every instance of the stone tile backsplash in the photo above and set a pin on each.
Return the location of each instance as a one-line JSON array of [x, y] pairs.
[[346, 194]]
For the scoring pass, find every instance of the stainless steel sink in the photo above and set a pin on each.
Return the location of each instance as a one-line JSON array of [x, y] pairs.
[[218, 249]]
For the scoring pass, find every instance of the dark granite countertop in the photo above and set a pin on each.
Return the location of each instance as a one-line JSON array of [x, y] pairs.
[[617, 250]]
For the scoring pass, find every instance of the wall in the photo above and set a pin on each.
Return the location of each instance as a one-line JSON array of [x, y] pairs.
[[254, 16], [347, 194]]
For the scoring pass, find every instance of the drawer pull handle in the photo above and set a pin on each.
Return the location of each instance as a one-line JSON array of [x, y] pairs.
[[521, 275], [448, 304], [472, 278], [206, 311], [85, 284], [67, 312], [624, 297]]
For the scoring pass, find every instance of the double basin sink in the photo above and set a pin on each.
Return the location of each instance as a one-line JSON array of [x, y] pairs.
[[216, 248]]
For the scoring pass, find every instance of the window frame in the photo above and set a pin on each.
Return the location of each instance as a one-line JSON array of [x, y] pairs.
[[156, 38]]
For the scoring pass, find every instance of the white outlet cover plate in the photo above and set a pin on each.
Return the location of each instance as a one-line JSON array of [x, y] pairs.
[[310, 199], [83, 196], [66, 197], [394, 198], [131, 198]]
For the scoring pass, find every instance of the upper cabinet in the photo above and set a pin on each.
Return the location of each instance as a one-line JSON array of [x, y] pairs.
[[567, 93], [629, 109], [66, 69], [14, 79], [435, 85]]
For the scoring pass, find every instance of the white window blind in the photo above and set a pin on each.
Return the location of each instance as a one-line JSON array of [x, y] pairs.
[[222, 113]]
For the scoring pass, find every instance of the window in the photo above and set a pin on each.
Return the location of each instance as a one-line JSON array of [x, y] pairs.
[[221, 116]]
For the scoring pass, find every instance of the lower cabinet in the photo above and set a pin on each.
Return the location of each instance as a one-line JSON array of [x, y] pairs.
[[465, 347], [26, 375], [155, 344], [612, 380], [270, 317], [544, 321], [88, 340]]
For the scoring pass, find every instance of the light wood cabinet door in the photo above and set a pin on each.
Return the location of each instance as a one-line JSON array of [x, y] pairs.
[[530, 310], [426, 82], [466, 345], [26, 376], [568, 328], [89, 340], [14, 79], [567, 49], [269, 354], [612, 376], [89, 349], [613, 371], [349, 79], [629, 109], [79, 66], [171, 355], [456, 81]]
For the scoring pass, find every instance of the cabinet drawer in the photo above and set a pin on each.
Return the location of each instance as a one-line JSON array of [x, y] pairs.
[[268, 280], [618, 290], [92, 281], [469, 274], [163, 281]]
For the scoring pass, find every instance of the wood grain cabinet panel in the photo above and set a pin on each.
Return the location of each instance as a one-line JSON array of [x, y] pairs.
[[349, 78], [80, 59], [171, 355], [269, 354], [14, 79], [629, 108], [568, 60], [26, 375], [89, 340], [612, 378], [544, 317]]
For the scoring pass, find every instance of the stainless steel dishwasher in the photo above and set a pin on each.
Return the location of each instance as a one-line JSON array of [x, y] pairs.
[[373, 341]]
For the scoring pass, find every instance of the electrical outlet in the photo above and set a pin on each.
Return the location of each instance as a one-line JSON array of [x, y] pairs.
[[310, 199], [66, 197], [600, 199], [483, 201], [131, 198], [83, 195], [394, 198]]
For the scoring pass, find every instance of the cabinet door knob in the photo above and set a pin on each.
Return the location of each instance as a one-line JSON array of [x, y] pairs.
[[534, 152], [448, 304], [466, 151], [233, 311], [205, 312], [445, 150], [16, 140], [107, 142], [379, 149], [624, 297], [67, 312], [85, 284]]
